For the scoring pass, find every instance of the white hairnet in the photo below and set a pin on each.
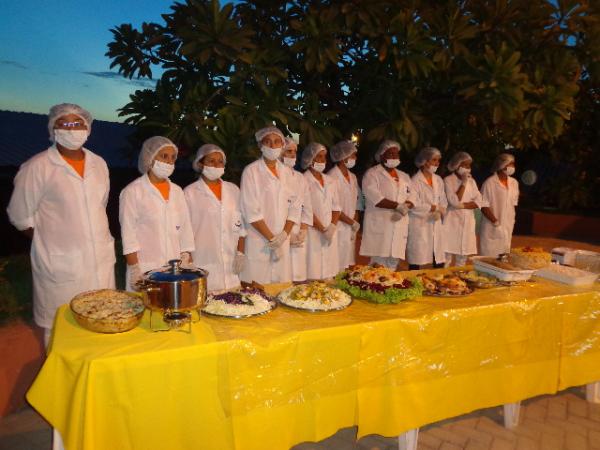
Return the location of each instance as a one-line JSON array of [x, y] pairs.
[[384, 146], [425, 155], [501, 161], [149, 150], [457, 160], [309, 153], [289, 143], [342, 150], [207, 149], [63, 109], [260, 134]]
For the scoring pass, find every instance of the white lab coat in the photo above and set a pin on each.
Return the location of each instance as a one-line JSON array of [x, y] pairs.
[[349, 201], [264, 196], [217, 227], [426, 237], [322, 256], [72, 249], [502, 202], [157, 229], [298, 254], [459, 223], [381, 235]]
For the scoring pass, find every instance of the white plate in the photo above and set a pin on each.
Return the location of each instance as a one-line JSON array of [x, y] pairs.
[[502, 274]]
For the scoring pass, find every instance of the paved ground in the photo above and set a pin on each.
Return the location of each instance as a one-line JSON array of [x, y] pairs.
[[564, 421]]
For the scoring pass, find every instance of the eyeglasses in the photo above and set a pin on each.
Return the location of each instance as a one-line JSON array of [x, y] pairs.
[[77, 124]]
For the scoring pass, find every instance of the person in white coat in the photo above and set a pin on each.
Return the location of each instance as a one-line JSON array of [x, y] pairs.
[[299, 231], [343, 154], [426, 236], [388, 199], [216, 219], [463, 197], [154, 217], [322, 246], [270, 208], [59, 201], [501, 194]]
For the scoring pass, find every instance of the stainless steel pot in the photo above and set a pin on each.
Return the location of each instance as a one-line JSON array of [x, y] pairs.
[[173, 288]]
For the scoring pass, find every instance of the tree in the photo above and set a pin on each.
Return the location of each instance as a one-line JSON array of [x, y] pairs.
[[472, 75]]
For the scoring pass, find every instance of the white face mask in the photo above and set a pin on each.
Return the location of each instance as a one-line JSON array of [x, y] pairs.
[[290, 162], [350, 163], [271, 153], [391, 163], [509, 170], [162, 170], [432, 169], [213, 173], [71, 139], [319, 167], [462, 171]]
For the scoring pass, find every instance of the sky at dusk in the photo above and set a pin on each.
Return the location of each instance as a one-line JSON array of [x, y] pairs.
[[53, 52]]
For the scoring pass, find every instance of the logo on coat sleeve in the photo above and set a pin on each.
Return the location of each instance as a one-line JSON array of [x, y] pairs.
[[177, 227]]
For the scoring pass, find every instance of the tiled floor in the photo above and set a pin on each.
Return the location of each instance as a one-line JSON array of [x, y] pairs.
[[560, 422]]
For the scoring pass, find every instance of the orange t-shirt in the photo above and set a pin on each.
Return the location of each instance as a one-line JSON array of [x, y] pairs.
[[394, 174], [273, 170], [504, 182], [163, 187], [216, 189], [346, 176], [78, 165], [429, 181]]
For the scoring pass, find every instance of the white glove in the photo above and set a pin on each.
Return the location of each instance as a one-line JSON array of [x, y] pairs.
[[186, 260], [496, 223], [134, 274], [297, 240], [238, 263], [435, 215], [396, 216], [465, 179], [277, 240], [329, 232], [276, 254], [355, 227], [402, 209]]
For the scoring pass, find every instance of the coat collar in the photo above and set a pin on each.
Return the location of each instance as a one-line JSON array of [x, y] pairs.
[[280, 167], [205, 190], [153, 189], [421, 178], [56, 158]]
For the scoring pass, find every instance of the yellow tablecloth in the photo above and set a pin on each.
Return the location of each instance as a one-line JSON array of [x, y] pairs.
[[290, 376]]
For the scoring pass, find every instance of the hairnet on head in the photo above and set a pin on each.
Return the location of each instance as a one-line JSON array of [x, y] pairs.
[[309, 153], [457, 160], [425, 155], [63, 109], [342, 150], [204, 150], [501, 161], [289, 143], [384, 146], [260, 134], [150, 148]]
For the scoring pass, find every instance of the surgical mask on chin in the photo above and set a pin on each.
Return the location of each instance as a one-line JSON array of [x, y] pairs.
[[432, 169], [289, 162], [213, 173], [271, 153], [462, 171], [350, 163], [391, 163], [319, 167], [162, 170], [71, 139], [509, 170]]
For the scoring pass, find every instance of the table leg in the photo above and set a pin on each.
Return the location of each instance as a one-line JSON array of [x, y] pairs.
[[511, 414], [408, 440], [592, 392]]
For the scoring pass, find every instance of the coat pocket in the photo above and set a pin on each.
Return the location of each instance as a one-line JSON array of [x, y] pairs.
[[66, 267]]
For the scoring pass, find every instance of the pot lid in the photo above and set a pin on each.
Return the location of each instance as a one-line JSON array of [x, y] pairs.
[[173, 272]]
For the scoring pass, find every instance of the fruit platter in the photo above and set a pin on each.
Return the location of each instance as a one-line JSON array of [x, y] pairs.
[[378, 284], [315, 296], [238, 304]]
